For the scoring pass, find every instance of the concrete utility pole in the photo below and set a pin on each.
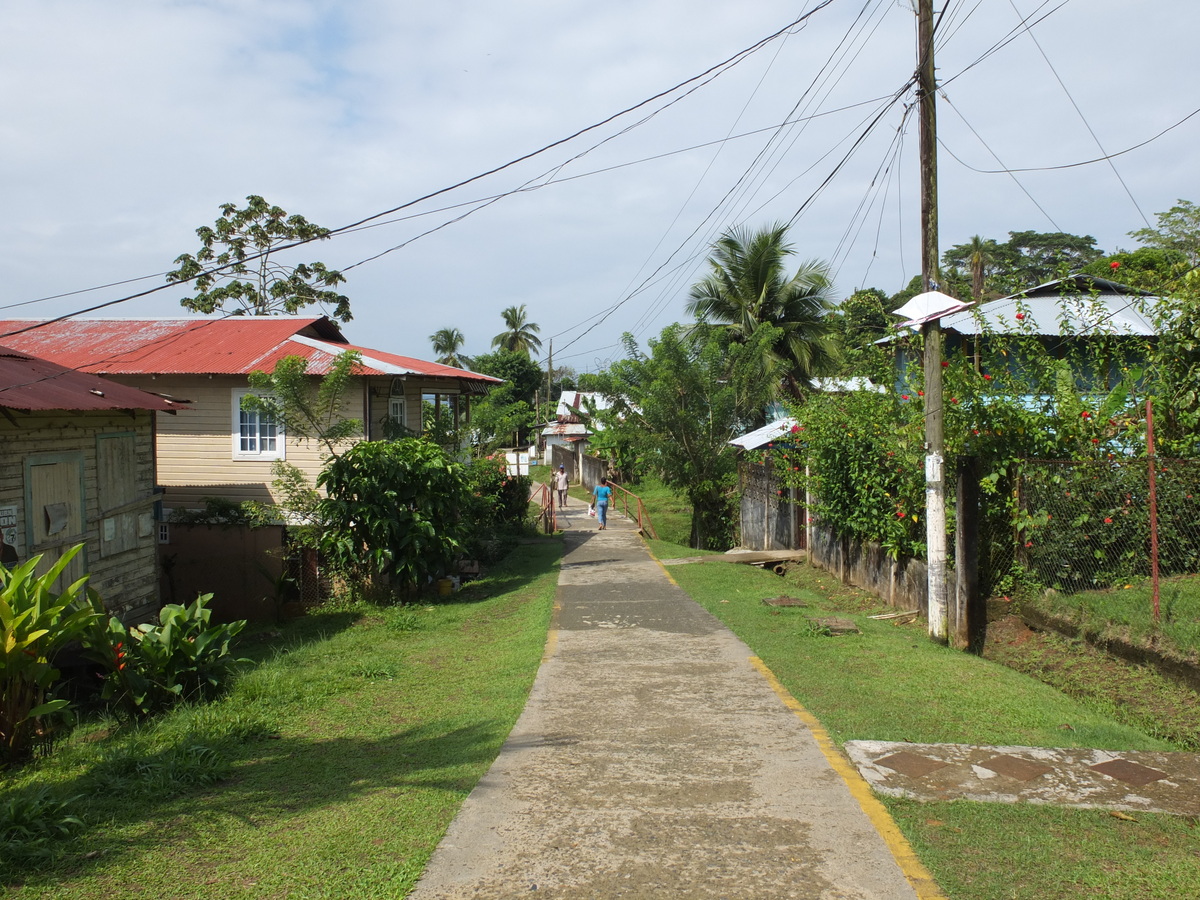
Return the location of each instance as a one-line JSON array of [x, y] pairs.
[[935, 484]]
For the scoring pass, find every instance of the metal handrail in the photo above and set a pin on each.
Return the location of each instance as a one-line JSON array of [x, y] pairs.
[[643, 517], [546, 511]]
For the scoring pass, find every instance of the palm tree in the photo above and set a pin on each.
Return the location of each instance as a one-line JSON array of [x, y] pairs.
[[748, 287], [980, 258], [519, 336], [446, 344]]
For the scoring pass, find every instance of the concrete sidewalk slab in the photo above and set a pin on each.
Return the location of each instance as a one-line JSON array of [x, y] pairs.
[[653, 760], [1095, 779]]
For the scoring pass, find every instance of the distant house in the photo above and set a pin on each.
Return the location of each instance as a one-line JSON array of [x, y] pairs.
[[1062, 315], [568, 429], [217, 449], [78, 468]]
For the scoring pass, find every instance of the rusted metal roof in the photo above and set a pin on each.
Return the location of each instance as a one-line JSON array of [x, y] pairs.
[[29, 383], [234, 345]]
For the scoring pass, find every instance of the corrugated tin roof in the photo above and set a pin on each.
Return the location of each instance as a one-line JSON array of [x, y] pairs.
[[1078, 305], [29, 383], [760, 437], [569, 430], [234, 345]]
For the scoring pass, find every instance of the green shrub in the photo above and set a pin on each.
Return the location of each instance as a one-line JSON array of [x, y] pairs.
[[151, 667], [496, 498], [37, 621], [393, 514]]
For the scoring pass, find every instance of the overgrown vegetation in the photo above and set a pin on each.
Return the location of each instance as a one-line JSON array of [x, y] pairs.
[[331, 768], [37, 620], [148, 668]]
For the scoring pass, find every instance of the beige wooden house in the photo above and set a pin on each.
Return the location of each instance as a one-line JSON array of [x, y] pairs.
[[216, 449], [77, 467]]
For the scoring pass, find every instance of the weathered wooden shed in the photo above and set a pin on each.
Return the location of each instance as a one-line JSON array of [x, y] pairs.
[[771, 515], [77, 467]]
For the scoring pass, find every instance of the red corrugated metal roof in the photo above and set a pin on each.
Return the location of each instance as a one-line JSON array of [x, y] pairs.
[[235, 345], [29, 383]]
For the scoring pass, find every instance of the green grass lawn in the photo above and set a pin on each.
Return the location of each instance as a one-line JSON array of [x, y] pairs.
[[331, 770]]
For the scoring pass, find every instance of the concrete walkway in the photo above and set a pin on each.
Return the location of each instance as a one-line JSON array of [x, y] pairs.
[[657, 759]]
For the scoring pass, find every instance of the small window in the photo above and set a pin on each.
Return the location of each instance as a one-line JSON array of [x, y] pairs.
[[256, 434], [396, 411]]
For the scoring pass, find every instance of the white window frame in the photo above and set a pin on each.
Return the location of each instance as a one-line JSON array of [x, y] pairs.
[[254, 420], [397, 411]]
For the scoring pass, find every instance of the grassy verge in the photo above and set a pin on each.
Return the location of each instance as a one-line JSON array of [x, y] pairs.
[[892, 683], [331, 770], [1127, 613]]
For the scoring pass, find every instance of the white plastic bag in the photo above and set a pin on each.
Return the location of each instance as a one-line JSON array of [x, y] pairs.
[[592, 510]]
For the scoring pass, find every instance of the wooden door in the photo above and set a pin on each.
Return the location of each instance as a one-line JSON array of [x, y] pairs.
[[55, 511]]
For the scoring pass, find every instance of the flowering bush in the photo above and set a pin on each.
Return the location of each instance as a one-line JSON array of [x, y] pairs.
[[152, 667], [496, 498], [1014, 398]]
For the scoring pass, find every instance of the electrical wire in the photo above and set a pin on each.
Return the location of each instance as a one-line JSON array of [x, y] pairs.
[[1082, 117], [721, 66]]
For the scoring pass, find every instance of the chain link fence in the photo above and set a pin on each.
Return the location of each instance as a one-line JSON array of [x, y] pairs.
[[1089, 525]]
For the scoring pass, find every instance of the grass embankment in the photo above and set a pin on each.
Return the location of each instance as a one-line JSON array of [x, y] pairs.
[[331, 770], [1126, 613], [892, 683]]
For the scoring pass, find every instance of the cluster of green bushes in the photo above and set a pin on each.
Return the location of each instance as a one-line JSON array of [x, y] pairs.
[[144, 669], [398, 514]]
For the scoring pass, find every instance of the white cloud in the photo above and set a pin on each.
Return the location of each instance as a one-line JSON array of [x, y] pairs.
[[124, 126]]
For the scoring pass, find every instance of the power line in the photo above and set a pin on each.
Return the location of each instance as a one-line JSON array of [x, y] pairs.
[[1073, 165], [721, 66], [1082, 117]]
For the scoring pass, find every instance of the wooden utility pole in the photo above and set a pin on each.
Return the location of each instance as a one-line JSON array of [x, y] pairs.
[[550, 408], [935, 482]]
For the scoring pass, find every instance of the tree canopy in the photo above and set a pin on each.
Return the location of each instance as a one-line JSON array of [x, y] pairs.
[[1178, 229], [986, 268], [237, 265], [447, 344], [748, 287], [679, 407], [520, 335]]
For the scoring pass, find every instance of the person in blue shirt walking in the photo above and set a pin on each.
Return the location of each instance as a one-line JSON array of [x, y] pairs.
[[602, 493]]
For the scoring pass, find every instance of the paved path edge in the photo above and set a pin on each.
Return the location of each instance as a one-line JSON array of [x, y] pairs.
[[918, 876]]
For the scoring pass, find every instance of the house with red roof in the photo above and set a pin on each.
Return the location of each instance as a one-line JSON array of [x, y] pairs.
[[78, 468], [217, 449]]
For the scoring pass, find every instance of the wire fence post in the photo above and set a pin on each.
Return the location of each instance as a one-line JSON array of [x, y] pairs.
[[1153, 463]]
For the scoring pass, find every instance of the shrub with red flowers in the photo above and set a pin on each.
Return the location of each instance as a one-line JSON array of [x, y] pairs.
[[151, 667]]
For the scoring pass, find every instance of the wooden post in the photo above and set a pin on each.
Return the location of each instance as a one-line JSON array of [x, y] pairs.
[[968, 618], [1153, 505]]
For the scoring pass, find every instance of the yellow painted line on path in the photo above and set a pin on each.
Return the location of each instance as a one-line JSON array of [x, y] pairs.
[[918, 876]]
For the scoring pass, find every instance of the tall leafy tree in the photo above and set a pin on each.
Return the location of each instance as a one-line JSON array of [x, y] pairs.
[[507, 412], [519, 334], [447, 346], [238, 265], [679, 407], [1178, 229], [748, 287]]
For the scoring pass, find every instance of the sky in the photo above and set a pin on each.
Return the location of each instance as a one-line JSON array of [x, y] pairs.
[[126, 126]]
